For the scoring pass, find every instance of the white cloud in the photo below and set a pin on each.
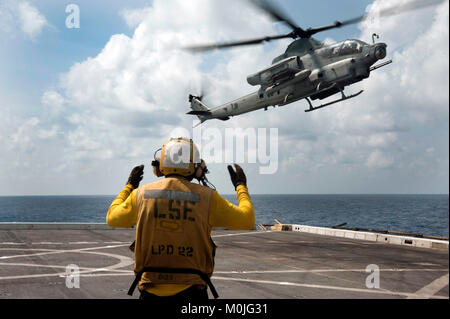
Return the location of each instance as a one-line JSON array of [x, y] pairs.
[[382, 139], [22, 138], [25, 144], [133, 17], [21, 15], [53, 103], [409, 95], [378, 159], [122, 104], [138, 86], [31, 20]]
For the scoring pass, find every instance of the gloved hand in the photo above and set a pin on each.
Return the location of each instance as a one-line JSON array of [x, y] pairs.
[[238, 177], [136, 176]]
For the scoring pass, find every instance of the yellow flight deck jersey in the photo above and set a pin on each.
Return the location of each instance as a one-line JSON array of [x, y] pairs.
[[123, 213]]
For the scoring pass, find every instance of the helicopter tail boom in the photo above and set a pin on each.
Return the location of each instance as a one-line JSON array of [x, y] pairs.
[[199, 108]]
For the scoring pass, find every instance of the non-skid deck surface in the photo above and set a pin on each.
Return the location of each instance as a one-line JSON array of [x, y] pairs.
[[254, 264]]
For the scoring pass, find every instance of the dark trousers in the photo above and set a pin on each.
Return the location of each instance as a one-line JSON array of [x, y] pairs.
[[191, 294]]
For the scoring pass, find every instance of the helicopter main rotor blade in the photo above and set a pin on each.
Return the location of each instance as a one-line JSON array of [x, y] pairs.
[[208, 47], [278, 15], [410, 6], [299, 32]]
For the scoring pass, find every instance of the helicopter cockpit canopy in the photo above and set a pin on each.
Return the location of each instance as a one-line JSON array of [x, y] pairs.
[[341, 48]]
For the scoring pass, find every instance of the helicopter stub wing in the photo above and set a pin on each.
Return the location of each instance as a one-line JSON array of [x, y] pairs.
[[297, 78]]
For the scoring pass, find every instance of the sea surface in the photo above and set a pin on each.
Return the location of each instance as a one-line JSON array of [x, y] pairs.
[[424, 214]]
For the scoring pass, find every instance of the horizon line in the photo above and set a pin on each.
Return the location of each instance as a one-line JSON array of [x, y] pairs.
[[318, 194]]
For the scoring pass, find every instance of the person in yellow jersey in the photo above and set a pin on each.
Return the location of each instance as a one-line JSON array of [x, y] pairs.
[[174, 252]]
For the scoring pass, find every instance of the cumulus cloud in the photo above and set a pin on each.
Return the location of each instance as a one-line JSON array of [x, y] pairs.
[[123, 103], [31, 20], [53, 103], [379, 160], [23, 15], [380, 128], [133, 17], [25, 144], [138, 86]]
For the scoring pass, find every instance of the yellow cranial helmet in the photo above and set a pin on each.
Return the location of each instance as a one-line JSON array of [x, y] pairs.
[[179, 156]]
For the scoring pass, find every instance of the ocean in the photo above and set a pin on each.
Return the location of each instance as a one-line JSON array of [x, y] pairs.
[[424, 214]]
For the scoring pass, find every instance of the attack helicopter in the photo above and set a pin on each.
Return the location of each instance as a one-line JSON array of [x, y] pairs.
[[308, 69]]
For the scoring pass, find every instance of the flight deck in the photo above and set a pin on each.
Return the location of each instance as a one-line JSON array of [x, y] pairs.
[[264, 264]]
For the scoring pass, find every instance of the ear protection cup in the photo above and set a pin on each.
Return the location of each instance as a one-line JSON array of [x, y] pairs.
[[200, 170], [200, 174], [156, 170]]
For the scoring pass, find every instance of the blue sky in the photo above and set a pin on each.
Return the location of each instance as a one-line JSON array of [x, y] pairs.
[[65, 95], [37, 64]]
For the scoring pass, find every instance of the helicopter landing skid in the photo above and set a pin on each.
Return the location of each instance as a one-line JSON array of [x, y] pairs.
[[343, 98]]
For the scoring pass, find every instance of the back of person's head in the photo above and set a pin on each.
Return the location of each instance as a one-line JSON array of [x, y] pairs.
[[179, 157]]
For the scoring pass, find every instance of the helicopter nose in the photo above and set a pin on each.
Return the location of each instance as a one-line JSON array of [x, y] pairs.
[[380, 51]]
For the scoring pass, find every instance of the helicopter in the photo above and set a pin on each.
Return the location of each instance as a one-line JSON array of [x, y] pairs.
[[308, 69]]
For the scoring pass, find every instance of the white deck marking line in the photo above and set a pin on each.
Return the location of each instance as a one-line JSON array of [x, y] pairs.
[[83, 242], [123, 262], [284, 283], [431, 289], [62, 243], [46, 243], [63, 274], [324, 270], [237, 272], [116, 242], [83, 274], [115, 273], [248, 233], [55, 251], [63, 267], [428, 291]]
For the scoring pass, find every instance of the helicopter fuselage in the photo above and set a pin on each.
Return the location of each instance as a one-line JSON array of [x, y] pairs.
[[307, 70]]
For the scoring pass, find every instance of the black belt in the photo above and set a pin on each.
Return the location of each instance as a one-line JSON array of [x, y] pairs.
[[174, 271]]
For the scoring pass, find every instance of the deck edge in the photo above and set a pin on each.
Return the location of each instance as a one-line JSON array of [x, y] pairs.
[[54, 226], [367, 236]]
